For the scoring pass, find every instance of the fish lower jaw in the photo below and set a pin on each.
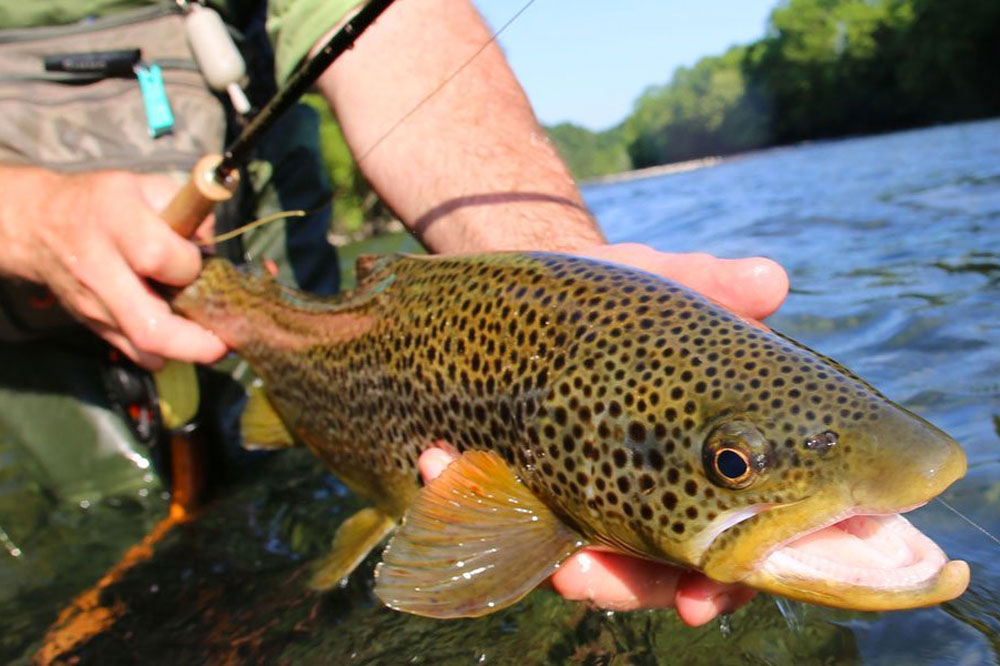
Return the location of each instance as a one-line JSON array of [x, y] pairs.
[[864, 562]]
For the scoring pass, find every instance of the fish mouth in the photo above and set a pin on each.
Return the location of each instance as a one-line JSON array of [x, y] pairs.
[[862, 561]]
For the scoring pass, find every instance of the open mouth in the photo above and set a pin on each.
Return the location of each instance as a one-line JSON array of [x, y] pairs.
[[871, 551], [849, 560]]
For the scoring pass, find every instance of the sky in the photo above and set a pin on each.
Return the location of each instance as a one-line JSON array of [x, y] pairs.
[[586, 61]]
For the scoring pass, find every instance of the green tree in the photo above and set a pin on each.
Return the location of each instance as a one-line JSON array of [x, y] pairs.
[[705, 109], [827, 68], [589, 154], [353, 199]]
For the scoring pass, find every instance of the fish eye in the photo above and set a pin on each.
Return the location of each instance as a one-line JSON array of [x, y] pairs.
[[735, 454], [732, 464]]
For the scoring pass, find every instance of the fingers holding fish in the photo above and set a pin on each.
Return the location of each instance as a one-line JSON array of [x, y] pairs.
[[700, 599], [754, 287], [433, 461], [93, 239]]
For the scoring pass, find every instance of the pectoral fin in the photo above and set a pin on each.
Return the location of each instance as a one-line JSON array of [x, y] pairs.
[[260, 425], [177, 388], [475, 540], [355, 537]]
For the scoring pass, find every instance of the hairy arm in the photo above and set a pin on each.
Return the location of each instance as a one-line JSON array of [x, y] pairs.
[[471, 168]]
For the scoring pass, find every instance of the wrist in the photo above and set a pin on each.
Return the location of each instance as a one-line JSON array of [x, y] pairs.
[[508, 221]]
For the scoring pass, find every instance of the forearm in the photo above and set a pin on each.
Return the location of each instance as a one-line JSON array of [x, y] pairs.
[[491, 179]]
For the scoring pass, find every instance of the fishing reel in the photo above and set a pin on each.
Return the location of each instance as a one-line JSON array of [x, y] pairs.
[[132, 394]]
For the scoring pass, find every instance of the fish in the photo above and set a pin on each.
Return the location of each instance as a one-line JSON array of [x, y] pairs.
[[590, 404]]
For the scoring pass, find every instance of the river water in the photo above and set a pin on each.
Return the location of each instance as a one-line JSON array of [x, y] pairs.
[[892, 244]]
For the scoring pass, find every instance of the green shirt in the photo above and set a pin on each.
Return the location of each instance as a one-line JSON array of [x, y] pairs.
[[294, 25]]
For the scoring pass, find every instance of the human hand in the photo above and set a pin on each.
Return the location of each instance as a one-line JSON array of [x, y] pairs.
[[93, 239], [754, 288]]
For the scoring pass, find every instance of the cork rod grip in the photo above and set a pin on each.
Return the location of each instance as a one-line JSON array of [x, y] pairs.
[[196, 200]]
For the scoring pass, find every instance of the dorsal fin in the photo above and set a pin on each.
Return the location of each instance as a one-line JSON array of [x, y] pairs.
[[369, 264]]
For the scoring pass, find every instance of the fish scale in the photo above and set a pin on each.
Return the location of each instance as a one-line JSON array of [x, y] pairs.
[[626, 404]]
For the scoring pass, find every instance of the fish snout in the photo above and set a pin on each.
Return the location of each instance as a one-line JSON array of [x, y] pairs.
[[904, 462]]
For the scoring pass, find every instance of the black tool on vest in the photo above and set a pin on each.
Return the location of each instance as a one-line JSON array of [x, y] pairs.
[[120, 62]]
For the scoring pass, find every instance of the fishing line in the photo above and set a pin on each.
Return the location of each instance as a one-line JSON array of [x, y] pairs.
[[970, 521], [402, 119], [239, 231]]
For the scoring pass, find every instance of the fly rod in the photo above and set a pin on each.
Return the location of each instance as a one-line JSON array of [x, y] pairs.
[[215, 178]]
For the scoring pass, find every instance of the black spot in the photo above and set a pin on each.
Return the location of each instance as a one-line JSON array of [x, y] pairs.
[[560, 415]]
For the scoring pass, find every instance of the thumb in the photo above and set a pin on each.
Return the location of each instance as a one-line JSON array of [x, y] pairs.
[[158, 190], [433, 461]]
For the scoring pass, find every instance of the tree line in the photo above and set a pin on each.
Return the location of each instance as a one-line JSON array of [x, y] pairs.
[[824, 68]]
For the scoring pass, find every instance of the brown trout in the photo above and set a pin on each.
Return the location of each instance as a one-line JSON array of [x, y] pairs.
[[592, 404]]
